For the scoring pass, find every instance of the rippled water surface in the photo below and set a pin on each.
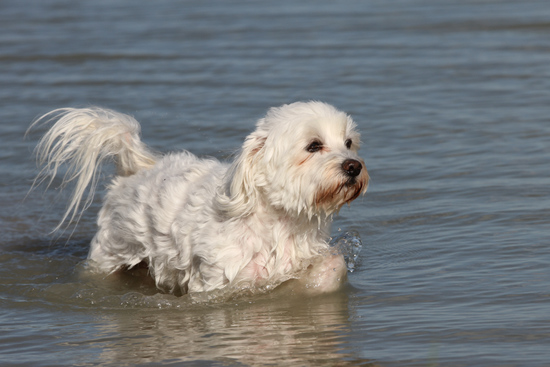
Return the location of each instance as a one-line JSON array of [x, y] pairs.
[[453, 100]]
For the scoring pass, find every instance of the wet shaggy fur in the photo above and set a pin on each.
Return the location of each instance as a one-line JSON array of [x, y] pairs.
[[200, 224]]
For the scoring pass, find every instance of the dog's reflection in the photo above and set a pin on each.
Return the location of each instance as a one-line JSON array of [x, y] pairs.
[[276, 329]]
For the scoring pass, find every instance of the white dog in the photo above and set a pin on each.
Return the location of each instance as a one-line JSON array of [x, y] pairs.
[[201, 225]]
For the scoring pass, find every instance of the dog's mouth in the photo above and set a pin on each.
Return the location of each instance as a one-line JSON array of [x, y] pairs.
[[333, 197], [355, 188], [352, 181]]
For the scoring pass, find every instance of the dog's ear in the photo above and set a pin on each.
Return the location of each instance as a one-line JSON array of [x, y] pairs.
[[239, 194]]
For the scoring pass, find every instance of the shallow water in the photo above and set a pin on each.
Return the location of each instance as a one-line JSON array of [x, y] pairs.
[[453, 102]]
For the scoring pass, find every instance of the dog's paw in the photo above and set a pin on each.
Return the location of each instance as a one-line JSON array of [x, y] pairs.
[[325, 274]]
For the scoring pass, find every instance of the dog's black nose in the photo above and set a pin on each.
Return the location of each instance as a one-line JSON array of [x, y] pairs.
[[352, 167]]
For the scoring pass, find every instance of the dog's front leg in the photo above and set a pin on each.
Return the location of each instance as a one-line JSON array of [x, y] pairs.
[[326, 274]]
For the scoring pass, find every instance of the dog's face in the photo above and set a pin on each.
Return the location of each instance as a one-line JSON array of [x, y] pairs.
[[302, 158]]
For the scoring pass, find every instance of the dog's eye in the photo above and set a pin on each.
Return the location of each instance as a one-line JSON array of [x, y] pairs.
[[348, 143], [315, 146]]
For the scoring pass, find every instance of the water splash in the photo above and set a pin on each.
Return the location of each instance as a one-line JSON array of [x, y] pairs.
[[348, 244]]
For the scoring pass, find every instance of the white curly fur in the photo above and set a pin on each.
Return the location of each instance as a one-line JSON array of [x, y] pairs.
[[201, 225]]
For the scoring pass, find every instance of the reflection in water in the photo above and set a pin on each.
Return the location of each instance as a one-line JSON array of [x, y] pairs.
[[275, 329]]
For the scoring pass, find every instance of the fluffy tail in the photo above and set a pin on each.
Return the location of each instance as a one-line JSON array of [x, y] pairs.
[[84, 139]]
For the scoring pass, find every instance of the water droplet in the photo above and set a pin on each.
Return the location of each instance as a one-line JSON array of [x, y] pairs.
[[348, 244]]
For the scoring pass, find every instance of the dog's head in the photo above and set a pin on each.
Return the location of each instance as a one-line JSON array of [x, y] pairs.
[[302, 158]]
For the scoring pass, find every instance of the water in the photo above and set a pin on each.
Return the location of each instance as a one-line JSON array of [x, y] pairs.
[[452, 99]]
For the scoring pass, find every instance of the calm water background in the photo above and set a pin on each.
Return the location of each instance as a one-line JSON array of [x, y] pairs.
[[453, 101]]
